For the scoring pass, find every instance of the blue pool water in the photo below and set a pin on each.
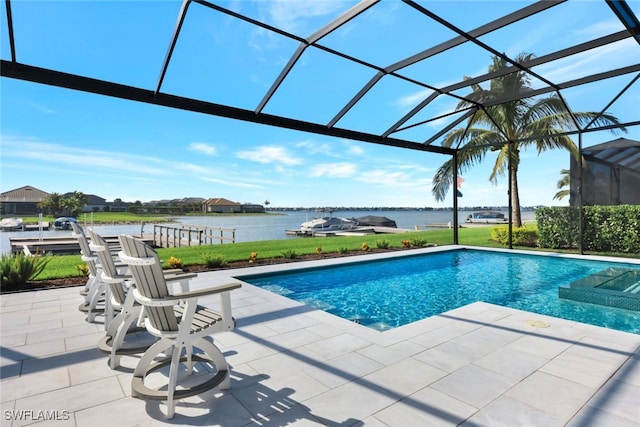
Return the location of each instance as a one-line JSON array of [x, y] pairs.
[[390, 293]]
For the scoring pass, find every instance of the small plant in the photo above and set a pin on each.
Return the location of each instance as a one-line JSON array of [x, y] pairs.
[[383, 244], [418, 242], [319, 250], [213, 260], [83, 269], [253, 257], [289, 254], [406, 243], [364, 246], [174, 262], [343, 250], [19, 268]]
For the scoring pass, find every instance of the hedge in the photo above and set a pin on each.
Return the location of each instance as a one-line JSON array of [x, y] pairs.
[[520, 236], [606, 228]]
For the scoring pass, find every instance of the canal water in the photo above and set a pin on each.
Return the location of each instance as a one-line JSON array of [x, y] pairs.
[[248, 228]]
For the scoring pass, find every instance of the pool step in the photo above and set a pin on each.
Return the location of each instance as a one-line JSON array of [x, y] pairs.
[[613, 287]]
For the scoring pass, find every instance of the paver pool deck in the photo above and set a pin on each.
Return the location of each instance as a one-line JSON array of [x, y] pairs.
[[479, 365]]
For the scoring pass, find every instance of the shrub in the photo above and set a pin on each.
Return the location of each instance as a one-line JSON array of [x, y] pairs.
[[520, 236], [83, 269], [343, 250], [318, 250], [558, 227], [364, 246], [605, 229], [253, 256], [174, 262], [213, 260], [19, 268], [382, 244], [406, 243], [289, 254], [418, 242]]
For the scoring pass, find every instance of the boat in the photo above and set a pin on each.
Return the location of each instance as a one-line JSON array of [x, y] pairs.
[[327, 223], [375, 221], [486, 217], [11, 224], [63, 223]]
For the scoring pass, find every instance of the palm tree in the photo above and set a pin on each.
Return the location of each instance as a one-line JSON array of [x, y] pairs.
[[563, 184], [75, 202], [52, 203], [523, 122]]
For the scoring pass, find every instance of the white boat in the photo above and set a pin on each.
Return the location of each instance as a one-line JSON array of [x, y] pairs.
[[11, 224], [327, 223], [487, 217]]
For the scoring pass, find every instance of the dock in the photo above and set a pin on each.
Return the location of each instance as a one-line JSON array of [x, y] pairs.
[[35, 227], [173, 236], [164, 236], [62, 245]]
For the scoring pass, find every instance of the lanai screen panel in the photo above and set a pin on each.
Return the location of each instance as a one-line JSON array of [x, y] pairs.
[[319, 66], [610, 174]]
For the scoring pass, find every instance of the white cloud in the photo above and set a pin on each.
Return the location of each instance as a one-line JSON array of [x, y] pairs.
[[334, 170], [586, 63], [42, 108], [204, 148], [269, 154], [397, 179], [232, 183], [356, 150], [315, 147], [290, 15], [80, 158], [599, 29], [409, 101]]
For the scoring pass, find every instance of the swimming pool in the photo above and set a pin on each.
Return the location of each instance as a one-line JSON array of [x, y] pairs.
[[389, 293]]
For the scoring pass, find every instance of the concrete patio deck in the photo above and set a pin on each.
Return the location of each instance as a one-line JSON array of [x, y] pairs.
[[479, 365]]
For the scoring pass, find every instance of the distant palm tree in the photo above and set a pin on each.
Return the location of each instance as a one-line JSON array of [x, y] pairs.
[[490, 129], [562, 185], [75, 202], [52, 203]]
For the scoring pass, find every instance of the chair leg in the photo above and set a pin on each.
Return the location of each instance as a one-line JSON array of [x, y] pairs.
[[173, 380], [189, 351], [95, 296], [152, 352], [215, 355], [124, 323]]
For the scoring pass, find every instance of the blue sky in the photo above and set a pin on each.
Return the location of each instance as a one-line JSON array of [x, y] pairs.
[[60, 140]]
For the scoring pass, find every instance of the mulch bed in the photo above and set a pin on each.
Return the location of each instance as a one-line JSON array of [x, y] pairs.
[[198, 268]]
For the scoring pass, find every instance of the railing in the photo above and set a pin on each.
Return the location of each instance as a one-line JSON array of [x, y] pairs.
[[191, 235]]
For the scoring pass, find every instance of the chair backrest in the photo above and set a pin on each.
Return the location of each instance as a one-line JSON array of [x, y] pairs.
[[87, 255], [146, 269], [109, 269]]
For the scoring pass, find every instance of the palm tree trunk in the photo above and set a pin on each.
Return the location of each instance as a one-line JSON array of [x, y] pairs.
[[515, 196]]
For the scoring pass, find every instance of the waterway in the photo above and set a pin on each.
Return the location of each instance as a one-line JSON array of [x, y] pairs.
[[250, 228]]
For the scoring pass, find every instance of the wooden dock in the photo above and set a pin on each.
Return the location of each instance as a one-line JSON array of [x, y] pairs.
[[173, 236], [164, 236], [63, 245]]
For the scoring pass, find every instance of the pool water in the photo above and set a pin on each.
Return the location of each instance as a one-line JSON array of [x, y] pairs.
[[385, 294]]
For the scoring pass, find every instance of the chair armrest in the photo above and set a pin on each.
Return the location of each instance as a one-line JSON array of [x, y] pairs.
[[203, 292], [174, 277], [170, 300]]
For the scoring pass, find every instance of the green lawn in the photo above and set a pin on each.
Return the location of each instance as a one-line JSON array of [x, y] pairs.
[[67, 266], [105, 218], [62, 266]]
